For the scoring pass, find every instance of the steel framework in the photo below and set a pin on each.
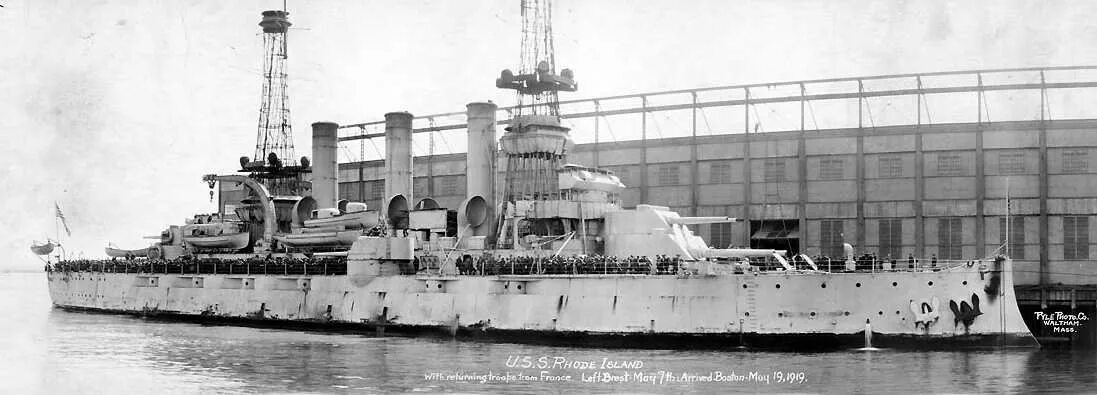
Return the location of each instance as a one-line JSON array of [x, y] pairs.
[[744, 97]]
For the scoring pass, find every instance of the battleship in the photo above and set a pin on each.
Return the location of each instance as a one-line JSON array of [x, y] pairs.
[[540, 250]]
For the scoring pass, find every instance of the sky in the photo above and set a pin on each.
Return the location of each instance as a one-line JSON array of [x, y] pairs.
[[115, 109]]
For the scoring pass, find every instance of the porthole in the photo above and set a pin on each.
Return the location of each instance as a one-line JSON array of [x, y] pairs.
[[930, 283], [965, 282], [778, 286], [847, 314], [744, 286], [439, 285], [812, 313], [519, 286], [881, 313], [858, 285], [894, 284], [823, 285], [896, 312], [780, 314], [747, 314]]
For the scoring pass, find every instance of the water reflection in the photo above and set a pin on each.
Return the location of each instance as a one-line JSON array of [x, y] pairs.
[[58, 351]]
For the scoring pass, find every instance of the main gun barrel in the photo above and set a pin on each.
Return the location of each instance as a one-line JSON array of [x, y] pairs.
[[701, 220], [738, 253]]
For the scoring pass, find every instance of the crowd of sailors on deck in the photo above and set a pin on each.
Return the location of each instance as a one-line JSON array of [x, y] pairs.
[[590, 264], [188, 264], [473, 265], [873, 262]]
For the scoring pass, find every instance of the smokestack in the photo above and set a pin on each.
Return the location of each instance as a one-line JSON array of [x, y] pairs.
[[480, 161], [397, 161], [325, 174]]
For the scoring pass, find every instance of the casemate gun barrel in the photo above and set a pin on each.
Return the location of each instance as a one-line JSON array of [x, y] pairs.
[[701, 220]]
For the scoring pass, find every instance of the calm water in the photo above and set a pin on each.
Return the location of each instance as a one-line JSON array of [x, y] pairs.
[[51, 351]]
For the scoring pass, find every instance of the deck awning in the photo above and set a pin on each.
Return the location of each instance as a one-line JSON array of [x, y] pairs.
[[777, 230]]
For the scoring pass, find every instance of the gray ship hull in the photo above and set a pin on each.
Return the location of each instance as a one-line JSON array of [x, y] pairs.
[[815, 310]]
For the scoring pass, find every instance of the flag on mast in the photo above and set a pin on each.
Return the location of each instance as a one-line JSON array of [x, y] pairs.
[[62, 217]]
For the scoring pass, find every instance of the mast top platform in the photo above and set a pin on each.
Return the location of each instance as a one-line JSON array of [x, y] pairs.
[[275, 21]]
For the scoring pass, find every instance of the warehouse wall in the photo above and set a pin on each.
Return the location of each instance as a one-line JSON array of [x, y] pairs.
[[930, 189]]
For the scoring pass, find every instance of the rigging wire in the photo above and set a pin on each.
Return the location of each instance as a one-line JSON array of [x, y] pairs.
[[925, 106], [346, 153], [708, 127], [379, 154], [609, 127], [868, 109], [814, 121]]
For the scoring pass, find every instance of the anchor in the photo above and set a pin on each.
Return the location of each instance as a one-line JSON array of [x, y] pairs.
[[964, 312], [925, 312]]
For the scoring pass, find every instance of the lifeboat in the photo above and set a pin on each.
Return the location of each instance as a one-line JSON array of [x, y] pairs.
[[120, 253], [335, 238], [350, 220], [42, 248], [234, 241]]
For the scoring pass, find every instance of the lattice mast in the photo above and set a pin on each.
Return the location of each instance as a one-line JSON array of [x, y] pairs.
[[273, 162], [275, 134], [535, 144]]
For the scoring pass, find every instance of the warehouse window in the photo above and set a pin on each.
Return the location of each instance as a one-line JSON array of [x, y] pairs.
[[1016, 248], [831, 239], [831, 168], [719, 173], [1075, 237], [419, 186], [891, 167], [668, 175], [349, 191], [720, 235], [773, 170], [624, 175], [1011, 162], [891, 238], [949, 165], [950, 233], [375, 190], [449, 186], [348, 174], [1076, 161]]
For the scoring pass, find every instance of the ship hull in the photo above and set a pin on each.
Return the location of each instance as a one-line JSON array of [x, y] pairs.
[[611, 310]]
